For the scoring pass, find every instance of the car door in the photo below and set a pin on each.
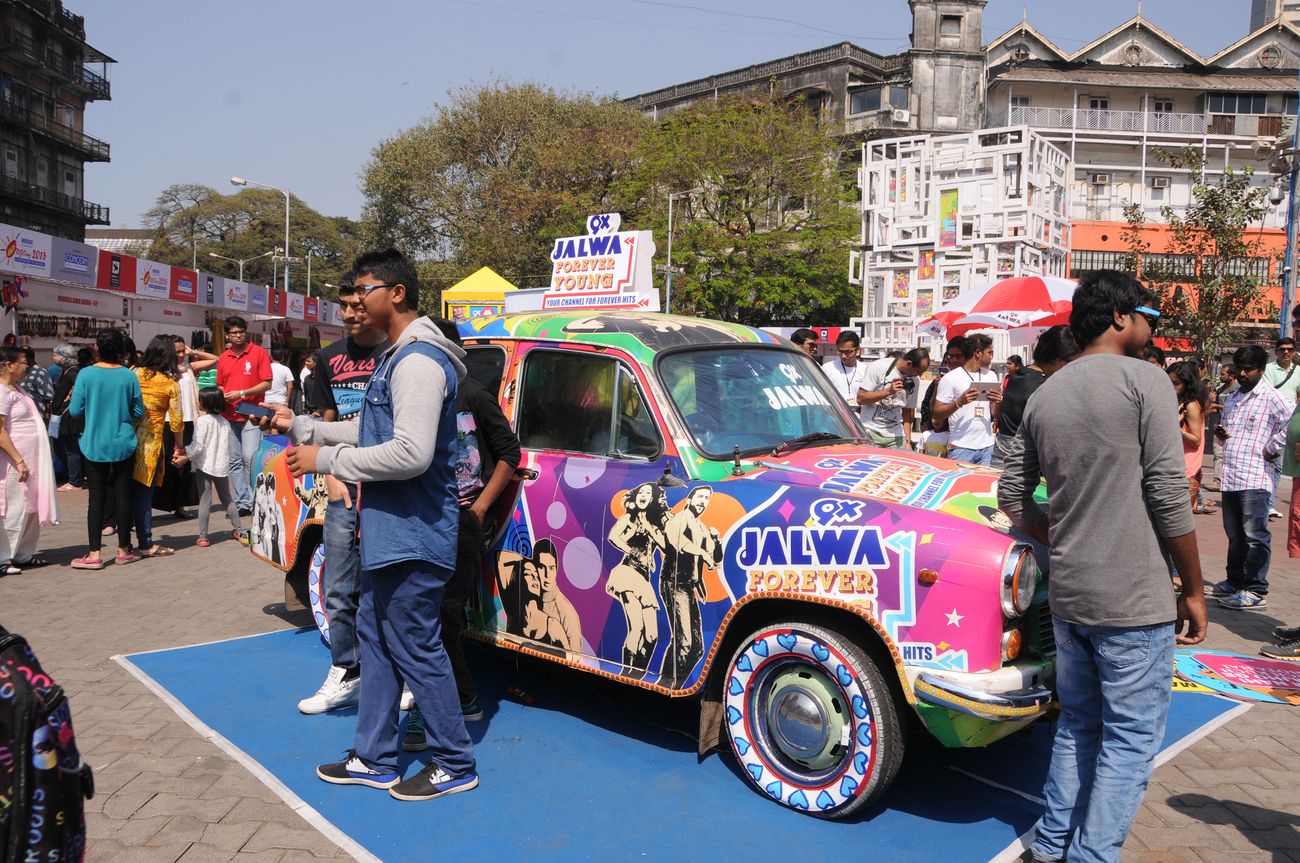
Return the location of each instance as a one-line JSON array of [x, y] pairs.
[[574, 577]]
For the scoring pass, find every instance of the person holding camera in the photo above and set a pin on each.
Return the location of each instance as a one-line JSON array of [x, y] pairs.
[[887, 386]]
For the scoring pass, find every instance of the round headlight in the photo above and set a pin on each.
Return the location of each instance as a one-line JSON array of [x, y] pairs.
[[1019, 581]]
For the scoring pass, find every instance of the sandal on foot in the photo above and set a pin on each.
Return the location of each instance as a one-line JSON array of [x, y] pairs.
[[123, 559], [88, 563], [240, 535], [158, 551], [10, 569], [33, 562], [203, 542]]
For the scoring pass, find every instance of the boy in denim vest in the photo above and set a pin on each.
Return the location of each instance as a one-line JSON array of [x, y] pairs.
[[402, 453]]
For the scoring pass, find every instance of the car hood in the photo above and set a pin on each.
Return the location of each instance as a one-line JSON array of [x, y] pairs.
[[958, 489]]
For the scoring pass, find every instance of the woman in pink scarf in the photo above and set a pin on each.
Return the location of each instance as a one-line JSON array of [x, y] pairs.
[[27, 490]]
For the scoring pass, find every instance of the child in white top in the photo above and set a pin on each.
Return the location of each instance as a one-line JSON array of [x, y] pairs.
[[209, 452]]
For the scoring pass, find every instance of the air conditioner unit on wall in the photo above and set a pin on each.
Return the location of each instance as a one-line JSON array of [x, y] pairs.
[[1099, 179], [1160, 182], [902, 115]]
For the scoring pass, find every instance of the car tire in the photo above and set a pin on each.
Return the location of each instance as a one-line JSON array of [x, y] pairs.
[[811, 719]]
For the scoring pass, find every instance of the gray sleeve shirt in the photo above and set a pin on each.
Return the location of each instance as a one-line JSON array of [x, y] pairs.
[[1103, 431]]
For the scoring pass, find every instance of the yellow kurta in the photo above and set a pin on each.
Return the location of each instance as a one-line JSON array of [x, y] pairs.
[[162, 402]]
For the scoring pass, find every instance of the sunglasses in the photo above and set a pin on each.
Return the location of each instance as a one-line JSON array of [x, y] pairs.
[[1286, 350], [363, 291], [1152, 316]]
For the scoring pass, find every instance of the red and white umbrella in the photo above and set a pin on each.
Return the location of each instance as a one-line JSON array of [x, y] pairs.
[[1022, 301]]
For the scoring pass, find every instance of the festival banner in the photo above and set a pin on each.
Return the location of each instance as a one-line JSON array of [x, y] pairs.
[[257, 299], [184, 286], [275, 302], [309, 309], [294, 307], [74, 262], [336, 314], [209, 290], [948, 199], [152, 279], [236, 295], [24, 252], [607, 268], [116, 272]]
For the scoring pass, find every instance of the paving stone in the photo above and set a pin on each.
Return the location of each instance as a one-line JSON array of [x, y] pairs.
[[182, 828], [229, 836], [203, 853], [288, 838], [206, 810]]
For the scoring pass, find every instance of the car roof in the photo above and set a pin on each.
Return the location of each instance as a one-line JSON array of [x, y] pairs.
[[642, 334]]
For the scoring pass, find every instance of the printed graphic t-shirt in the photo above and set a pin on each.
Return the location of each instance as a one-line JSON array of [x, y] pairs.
[[343, 370], [884, 417]]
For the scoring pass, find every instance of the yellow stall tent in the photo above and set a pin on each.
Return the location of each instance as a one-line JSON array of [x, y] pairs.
[[482, 293]]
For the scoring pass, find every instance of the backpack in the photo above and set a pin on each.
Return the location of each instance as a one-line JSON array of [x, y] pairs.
[[43, 781]]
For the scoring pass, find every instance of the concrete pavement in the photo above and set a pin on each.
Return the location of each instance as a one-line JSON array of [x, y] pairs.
[[164, 793]]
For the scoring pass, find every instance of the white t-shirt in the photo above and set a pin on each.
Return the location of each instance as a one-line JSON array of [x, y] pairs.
[[281, 377], [189, 387], [971, 425], [846, 380], [884, 417], [302, 377]]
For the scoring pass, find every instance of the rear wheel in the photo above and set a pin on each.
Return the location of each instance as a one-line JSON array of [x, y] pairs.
[[811, 719]]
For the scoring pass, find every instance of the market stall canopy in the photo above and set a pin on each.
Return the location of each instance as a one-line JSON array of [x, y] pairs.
[[480, 293], [1023, 301]]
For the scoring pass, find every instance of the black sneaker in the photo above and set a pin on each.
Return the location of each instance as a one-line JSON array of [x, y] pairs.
[[1287, 650], [245, 511], [433, 782], [472, 711], [415, 740], [1286, 633], [354, 771]]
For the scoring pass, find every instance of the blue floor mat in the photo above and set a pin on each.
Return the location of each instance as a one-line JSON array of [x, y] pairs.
[[580, 774]]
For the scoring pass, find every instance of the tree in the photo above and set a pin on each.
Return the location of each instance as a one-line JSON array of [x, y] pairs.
[[762, 237], [191, 220], [1208, 282], [495, 176]]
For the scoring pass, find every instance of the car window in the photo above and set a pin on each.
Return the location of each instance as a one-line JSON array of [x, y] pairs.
[[753, 398], [486, 364], [584, 402]]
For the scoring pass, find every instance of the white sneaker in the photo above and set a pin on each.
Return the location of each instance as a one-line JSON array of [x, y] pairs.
[[1272, 513], [408, 700], [334, 693]]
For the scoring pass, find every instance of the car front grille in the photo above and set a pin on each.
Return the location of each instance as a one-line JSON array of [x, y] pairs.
[[1038, 632]]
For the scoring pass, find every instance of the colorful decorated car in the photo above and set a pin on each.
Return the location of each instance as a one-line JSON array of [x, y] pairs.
[[697, 513]]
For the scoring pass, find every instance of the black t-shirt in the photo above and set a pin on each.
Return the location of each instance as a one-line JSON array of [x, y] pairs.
[[343, 369], [1022, 385]]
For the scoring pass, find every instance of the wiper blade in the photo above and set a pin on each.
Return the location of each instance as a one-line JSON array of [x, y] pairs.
[[815, 437]]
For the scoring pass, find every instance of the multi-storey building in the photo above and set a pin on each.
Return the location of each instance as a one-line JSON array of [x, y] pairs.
[[48, 74]]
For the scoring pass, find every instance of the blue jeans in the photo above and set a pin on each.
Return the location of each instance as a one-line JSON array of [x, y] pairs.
[[1250, 546], [142, 513], [244, 440], [983, 456], [1115, 687], [400, 633], [342, 576]]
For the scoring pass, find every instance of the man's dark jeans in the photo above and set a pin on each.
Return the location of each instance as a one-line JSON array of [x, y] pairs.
[[1245, 520]]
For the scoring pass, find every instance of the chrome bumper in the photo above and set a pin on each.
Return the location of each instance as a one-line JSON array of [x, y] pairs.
[[942, 691]]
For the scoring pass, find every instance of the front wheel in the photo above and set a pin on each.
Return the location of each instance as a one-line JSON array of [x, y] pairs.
[[811, 719]]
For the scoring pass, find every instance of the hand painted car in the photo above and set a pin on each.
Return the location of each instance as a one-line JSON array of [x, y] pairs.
[[697, 513]]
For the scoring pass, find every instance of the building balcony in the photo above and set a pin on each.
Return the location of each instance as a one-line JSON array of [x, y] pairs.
[[93, 149], [91, 214], [1142, 122], [24, 50]]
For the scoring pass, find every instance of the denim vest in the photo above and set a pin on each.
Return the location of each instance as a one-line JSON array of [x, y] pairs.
[[417, 518]]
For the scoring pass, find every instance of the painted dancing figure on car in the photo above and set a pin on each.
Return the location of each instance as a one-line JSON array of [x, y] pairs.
[[691, 548], [637, 534]]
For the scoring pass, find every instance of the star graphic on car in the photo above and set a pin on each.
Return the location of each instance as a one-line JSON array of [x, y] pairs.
[[954, 619]]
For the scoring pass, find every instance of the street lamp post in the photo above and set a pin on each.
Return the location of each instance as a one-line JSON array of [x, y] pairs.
[[243, 181], [668, 270], [240, 261]]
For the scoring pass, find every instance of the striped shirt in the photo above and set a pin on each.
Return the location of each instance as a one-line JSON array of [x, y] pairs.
[[1256, 422]]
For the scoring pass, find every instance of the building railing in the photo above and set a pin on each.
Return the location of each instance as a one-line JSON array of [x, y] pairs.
[[97, 85], [97, 150], [92, 214], [1110, 121], [78, 74]]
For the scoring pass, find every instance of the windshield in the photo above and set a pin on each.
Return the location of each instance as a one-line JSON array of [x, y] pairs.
[[755, 398]]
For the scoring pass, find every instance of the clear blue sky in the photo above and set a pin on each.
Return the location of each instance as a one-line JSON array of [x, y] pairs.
[[296, 93]]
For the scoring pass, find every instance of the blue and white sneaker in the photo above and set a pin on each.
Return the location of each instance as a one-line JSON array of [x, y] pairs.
[[1221, 588], [1244, 600], [433, 782], [354, 771]]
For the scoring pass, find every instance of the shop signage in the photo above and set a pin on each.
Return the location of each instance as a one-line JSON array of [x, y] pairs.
[[74, 262], [184, 286], [257, 299], [24, 252], [296, 306], [309, 309], [152, 279], [608, 268], [116, 272], [236, 295]]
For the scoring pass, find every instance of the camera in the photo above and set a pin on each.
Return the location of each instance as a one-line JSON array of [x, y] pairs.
[[908, 385]]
